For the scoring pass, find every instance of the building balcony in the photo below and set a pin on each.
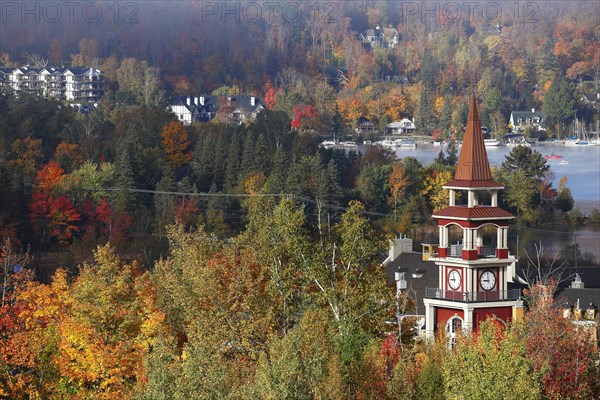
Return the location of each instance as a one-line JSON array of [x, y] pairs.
[[472, 297], [481, 252]]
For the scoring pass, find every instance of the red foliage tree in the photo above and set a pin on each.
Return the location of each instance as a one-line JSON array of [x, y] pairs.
[[186, 212], [561, 350], [113, 227], [271, 98], [305, 116], [62, 217], [39, 207], [49, 177]]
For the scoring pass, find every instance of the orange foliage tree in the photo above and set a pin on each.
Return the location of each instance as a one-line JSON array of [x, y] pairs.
[[68, 156], [49, 177], [82, 339], [176, 144], [351, 109], [28, 153]]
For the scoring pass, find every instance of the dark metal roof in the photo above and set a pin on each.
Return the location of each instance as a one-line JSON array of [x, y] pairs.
[[477, 212], [412, 263]]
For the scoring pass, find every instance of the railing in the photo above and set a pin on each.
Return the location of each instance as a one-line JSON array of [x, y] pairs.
[[487, 252], [456, 251], [472, 297]]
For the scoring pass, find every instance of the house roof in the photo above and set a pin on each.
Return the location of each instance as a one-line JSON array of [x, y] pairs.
[[526, 114], [365, 121], [419, 275], [473, 169], [473, 213], [403, 123]]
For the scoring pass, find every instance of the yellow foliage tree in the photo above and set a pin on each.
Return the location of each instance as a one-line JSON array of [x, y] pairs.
[[432, 188]]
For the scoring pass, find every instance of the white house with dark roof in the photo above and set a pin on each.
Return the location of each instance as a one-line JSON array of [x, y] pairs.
[[404, 126], [387, 38], [240, 109], [519, 120]]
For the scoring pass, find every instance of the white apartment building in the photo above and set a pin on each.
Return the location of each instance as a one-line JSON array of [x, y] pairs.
[[80, 84]]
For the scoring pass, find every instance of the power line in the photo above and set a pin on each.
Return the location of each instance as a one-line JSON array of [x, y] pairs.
[[239, 195]]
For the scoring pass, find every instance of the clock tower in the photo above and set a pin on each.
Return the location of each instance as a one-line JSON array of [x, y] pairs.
[[474, 266]]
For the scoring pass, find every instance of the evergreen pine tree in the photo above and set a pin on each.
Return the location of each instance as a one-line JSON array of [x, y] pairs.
[[261, 155], [232, 172], [164, 204], [248, 154], [203, 163], [451, 154], [220, 164], [122, 198], [446, 117], [333, 189], [424, 121], [277, 179]]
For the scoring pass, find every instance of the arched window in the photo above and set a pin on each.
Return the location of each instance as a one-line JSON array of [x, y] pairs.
[[453, 326]]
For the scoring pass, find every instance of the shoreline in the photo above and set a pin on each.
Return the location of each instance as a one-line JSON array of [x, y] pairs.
[[586, 206]]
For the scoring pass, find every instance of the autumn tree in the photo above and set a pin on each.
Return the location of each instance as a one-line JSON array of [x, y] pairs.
[[351, 109], [432, 188], [68, 156], [103, 341], [491, 363], [560, 352], [271, 98], [302, 364], [176, 144], [304, 116], [49, 177], [398, 184]]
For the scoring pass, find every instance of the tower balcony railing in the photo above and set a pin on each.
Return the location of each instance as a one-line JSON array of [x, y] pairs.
[[472, 297], [480, 252]]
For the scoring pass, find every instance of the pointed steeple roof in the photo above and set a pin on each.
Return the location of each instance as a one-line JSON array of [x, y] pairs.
[[473, 168]]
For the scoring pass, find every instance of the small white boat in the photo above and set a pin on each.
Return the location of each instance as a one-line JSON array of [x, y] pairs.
[[407, 143], [491, 142], [563, 162], [389, 143], [348, 144], [328, 143], [518, 143]]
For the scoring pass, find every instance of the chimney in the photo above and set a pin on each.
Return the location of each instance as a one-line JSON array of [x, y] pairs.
[[196, 101], [252, 101], [189, 101], [201, 100], [533, 110], [399, 246]]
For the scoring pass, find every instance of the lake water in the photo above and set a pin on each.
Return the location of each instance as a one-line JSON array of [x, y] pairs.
[[583, 179], [582, 171]]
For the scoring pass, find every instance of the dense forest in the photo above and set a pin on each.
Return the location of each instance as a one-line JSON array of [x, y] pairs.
[[278, 312], [513, 54], [145, 259]]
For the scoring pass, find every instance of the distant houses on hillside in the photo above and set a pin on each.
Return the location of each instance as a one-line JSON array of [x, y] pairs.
[[236, 109], [78, 84], [387, 38]]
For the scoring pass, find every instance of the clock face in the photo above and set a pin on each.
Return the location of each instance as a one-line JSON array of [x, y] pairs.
[[487, 280], [454, 279]]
